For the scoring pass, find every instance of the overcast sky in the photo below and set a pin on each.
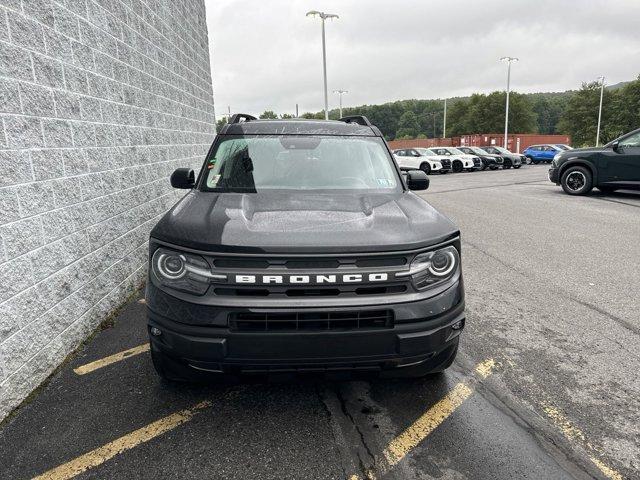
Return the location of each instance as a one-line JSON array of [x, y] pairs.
[[266, 55]]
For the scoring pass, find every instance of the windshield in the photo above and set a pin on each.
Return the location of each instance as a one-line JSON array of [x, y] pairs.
[[455, 151], [562, 146], [479, 151], [296, 162], [501, 150], [425, 151]]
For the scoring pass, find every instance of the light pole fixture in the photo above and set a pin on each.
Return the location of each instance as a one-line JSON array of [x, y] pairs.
[[323, 16], [340, 93], [506, 113], [600, 110]]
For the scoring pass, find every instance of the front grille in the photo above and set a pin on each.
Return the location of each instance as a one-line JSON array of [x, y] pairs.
[[324, 275], [310, 321], [445, 162]]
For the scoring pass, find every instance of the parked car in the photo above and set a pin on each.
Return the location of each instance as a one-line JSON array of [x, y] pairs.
[[609, 168], [541, 153], [563, 146], [459, 160], [489, 160], [419, 159], [300, 247], [511, 159]]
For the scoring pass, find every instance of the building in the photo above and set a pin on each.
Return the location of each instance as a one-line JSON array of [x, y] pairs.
[[516, 142], [100, 101]]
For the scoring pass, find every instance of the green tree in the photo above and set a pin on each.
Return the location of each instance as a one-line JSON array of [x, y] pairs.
[[580, 118], [268, 114], [408, 125], [286, 116], [626, 108], [221, 123]]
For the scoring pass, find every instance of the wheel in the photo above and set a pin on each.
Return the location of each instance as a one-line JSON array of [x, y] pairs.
[[439, 364], [517, 166], [457, 166], [506, 167], [576, 181], [605, 189], [535, 162], [484, 167], [425, 167], [529, 160]]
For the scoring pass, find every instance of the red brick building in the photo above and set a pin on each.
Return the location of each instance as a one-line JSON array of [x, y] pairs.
[[516, 142]]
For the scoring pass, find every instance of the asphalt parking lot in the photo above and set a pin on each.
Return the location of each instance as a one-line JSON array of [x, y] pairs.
[[546, 383]]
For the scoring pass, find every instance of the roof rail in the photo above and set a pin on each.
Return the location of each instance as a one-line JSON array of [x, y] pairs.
[[238, 117], [358, 119]]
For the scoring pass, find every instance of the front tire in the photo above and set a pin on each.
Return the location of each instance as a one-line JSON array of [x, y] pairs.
[[506, 167], [457, 166], [576, 181], [425, 167]]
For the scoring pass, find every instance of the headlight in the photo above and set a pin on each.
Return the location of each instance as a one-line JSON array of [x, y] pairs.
[[432, 268], [183, 271]]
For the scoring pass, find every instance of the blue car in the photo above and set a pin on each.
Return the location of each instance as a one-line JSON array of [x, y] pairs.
[[541, 153]]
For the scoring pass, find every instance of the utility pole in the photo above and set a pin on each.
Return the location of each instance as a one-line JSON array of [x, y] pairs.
[[600, 109], [340, 93], [444, 121], [297, 116], [323, 16], [506, 112]]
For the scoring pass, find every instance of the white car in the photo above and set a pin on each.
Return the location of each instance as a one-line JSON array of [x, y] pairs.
[[459, 160], [419, 159]]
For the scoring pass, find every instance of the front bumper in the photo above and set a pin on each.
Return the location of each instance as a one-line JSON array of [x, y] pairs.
[[420, 331], [554, 175]]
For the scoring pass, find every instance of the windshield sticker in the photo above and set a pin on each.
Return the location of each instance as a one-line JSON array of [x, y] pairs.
[[384, 182], [214, 180], [212, 163]]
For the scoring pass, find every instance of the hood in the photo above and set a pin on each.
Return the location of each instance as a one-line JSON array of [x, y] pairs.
[[303, 222], [579, 151]]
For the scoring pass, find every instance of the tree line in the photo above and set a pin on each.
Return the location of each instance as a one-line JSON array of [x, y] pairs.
[[573, 113]]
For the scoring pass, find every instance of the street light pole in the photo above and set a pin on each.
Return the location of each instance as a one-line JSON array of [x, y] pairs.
[[340, 93], [600, 110], [323, 16], [444, 121], [506, 113]]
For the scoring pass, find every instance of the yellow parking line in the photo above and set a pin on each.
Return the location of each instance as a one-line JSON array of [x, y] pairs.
[[432, 418], [103, 362], [427, 423], [571, 432], [102, 454]]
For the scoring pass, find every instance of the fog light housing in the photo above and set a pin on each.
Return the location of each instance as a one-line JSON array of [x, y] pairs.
[[458, 325], [156, 332]]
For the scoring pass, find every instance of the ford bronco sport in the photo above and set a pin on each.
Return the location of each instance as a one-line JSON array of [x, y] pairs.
[[300, 247]]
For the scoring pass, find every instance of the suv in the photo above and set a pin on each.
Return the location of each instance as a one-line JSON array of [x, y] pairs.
[[511, 159], [489, 160], [419, 159], [459, 160], [300, 247], [609, 168], [541, 153]]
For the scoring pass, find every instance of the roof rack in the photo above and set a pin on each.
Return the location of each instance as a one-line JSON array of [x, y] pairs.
[[358, 119], [239, 117]]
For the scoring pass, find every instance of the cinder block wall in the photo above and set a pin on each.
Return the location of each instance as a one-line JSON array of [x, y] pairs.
[[100, 100]]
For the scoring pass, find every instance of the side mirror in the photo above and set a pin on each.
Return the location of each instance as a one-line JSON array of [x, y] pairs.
[[417, 180], [183, 178], [615, 146]]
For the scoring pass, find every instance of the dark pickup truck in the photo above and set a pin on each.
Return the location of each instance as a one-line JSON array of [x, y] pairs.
[[300, 247]]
